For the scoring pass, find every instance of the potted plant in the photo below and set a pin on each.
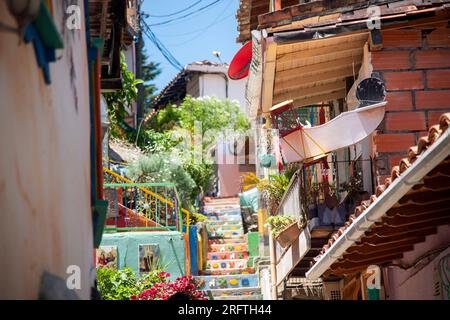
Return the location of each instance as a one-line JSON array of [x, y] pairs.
[[284, 229]]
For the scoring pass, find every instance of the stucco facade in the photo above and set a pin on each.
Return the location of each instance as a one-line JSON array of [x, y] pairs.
[[45, 162]]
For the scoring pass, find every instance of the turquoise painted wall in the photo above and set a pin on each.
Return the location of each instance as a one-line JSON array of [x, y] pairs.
[[171, 246]]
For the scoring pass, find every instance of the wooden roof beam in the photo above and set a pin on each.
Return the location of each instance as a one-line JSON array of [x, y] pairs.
[[319, 98], [303, 54], [346, 267], [297, 63], [310, 91], [306, 81], [326, 66]]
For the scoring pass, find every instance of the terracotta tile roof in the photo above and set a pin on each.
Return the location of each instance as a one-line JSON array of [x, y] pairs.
[[413, 154]]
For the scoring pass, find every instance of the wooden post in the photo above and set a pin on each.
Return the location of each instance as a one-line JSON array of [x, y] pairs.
[[269, 77], [273, 267]]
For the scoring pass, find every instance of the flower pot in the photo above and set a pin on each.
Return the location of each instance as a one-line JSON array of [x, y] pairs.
[[288, 235]]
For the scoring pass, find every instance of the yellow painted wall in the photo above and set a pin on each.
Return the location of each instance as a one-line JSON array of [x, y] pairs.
[[44, 162]]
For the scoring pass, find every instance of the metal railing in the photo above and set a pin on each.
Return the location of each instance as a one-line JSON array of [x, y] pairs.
[[142, 206], [320, 191]]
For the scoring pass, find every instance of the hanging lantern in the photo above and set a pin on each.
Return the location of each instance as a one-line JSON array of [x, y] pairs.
[[285, 118]]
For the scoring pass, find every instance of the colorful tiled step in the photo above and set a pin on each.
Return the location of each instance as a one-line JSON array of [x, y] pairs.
[[237, 240], [235, 271], [226, 234], [216, 223], [240, 291], [227, 255], [227, 218], [226, 264], [226, 281], [228, 247], [245, 297]]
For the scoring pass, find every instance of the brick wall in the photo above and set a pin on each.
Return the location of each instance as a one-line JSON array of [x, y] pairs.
[[415, 65]]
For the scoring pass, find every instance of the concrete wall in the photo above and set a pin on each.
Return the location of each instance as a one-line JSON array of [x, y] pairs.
[[171, 246], [415, 283], [45, 162]]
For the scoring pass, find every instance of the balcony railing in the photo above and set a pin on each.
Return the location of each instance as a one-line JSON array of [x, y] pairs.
[[319, 192]]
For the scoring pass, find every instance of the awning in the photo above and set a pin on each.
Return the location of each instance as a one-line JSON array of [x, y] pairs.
[[409, 207], [345, 130]]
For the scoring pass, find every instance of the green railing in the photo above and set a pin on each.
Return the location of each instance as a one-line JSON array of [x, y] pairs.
[[142, 206]]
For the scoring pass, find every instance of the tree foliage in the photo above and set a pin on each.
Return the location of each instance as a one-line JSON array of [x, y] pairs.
[[119, 100]]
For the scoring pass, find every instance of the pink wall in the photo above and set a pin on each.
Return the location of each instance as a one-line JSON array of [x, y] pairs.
[[229, 180], [404, 284]]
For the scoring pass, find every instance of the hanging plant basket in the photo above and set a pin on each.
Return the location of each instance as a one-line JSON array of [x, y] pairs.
[[288, 235]]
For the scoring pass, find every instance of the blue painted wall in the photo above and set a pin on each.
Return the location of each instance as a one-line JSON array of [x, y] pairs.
[[193, 248], [171, 246]]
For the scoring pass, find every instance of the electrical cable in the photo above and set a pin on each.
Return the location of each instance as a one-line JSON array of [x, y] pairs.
[[177, 12], [186, 15], [218, 19], [164, 51]]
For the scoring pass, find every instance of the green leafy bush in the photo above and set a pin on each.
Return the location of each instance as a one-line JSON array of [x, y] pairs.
[[124, 284]]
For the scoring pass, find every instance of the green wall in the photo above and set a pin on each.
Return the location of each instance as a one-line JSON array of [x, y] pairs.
[[171, 246], [253, 246]]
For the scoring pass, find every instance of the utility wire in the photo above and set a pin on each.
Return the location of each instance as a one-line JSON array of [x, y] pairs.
[[186, 15], [215, 21], [175, 13], [164, 51]]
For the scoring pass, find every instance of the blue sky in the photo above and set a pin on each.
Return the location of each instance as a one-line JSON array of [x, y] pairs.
[[191, 38]]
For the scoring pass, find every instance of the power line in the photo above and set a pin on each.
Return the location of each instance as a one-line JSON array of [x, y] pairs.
[[175, 13], [164, 51], [200, 32], [204, 28], [186, 15]]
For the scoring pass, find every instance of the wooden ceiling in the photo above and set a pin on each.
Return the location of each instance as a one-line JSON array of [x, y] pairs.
[[314, 71], [115, 21]]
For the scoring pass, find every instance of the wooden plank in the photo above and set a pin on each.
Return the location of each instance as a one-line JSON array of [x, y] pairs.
[[103, 17], [320, 98], [310, 91], [303, 81], [356, 256], [304, 54], [269, 77], [325, 66], [355, 52]]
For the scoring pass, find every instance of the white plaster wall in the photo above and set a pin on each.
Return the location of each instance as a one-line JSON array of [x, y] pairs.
[[44, 163], [404, 284]]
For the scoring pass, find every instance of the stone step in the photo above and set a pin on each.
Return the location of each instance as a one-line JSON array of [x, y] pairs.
[[226, 281], [227, 255], [228, 247], [235, 271], [226, 264]]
